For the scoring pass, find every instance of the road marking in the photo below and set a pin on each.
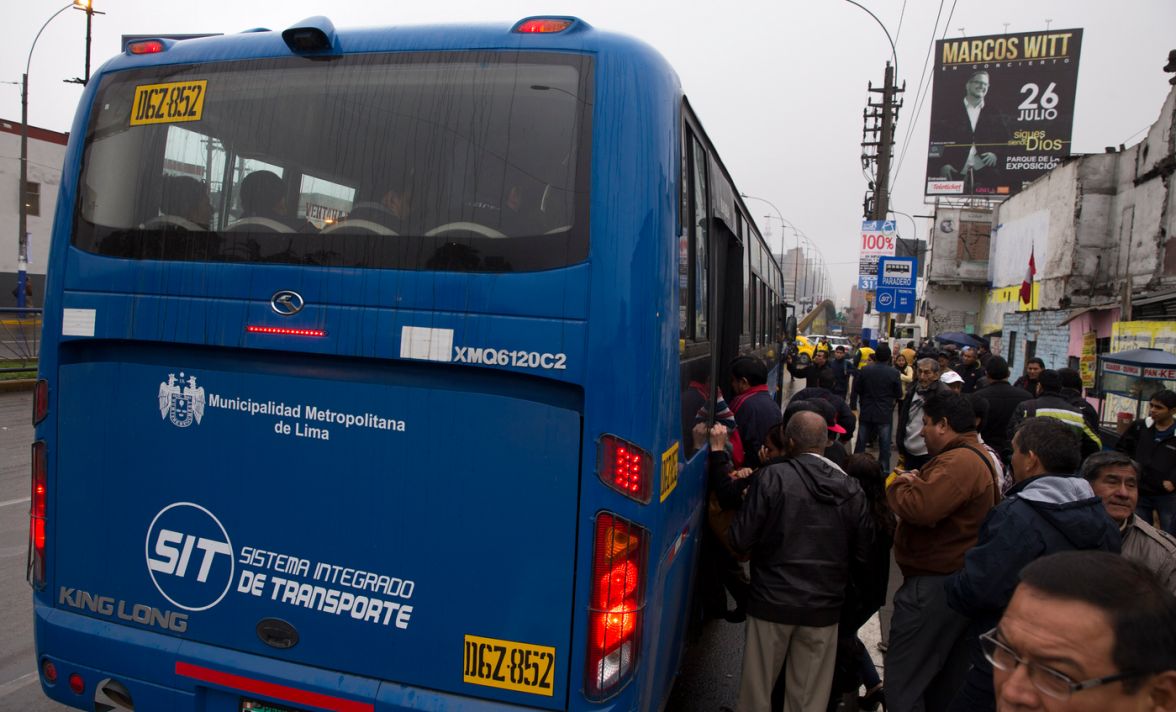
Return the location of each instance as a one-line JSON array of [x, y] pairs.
[[15, 501], [14, 685]]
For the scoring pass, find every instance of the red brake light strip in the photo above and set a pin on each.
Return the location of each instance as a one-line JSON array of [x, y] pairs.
[[284, 331]]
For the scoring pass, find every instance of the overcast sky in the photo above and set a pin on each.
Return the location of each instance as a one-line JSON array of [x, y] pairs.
[[779, 85]]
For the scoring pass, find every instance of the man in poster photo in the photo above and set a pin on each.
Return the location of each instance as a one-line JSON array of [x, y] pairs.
[[975, 130]]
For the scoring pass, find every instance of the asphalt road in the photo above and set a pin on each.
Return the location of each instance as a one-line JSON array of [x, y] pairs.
[[709, 677]]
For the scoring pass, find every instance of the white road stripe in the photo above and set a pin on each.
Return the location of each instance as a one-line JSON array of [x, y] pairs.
[[14, 685], [14, 501]]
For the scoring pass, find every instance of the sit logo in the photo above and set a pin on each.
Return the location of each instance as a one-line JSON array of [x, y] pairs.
[[189, 556], [180, 401]]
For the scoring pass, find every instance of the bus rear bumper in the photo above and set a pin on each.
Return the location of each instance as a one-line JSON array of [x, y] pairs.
[[166, 672]]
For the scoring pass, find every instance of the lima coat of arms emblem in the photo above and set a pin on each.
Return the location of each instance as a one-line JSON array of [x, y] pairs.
[[181, 402]]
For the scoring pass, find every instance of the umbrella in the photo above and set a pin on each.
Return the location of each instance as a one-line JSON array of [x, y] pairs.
[[958, 337]]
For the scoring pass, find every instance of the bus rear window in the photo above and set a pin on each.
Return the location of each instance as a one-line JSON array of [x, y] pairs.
[[470, 162]]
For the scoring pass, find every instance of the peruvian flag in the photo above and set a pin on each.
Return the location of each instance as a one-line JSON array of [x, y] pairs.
[[1027, 285]]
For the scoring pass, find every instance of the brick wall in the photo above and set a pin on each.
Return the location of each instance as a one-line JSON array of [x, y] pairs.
[[1044, 327]]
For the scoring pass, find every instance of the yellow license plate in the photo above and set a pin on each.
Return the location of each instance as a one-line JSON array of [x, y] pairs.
[[168, 103], [509, 666]]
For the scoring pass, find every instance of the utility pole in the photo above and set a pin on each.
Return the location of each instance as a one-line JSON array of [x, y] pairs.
[[878, 149], [880, 119]]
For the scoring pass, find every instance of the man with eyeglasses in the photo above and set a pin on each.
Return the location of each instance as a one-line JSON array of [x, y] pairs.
[[1048, 510], [1085, 631]]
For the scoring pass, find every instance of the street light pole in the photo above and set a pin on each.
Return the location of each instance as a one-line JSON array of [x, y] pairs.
[[795, 262], [22, 254]]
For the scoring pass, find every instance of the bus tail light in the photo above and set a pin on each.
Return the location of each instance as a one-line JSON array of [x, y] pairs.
[[146, 47], [40, 401], [625, 467], [35, 573], [543, 25], [616, 604]]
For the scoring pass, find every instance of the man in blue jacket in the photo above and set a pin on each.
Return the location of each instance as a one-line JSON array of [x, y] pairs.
[[1047, 511]]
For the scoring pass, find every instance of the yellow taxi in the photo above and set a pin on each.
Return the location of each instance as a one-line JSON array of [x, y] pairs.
[[804, 346]]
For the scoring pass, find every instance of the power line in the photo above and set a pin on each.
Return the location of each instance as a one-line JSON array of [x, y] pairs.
[[920, 92], [924, 89], [1145, 128], [901, 15]]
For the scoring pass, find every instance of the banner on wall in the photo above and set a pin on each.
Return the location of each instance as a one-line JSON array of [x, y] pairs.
[[1088, 362]]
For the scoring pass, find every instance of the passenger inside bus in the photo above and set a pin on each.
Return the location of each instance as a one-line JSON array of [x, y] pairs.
[[520, 212], [386, 211], [263, 205], [184, 204]]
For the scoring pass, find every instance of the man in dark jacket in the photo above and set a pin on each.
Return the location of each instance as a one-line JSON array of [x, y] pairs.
[[1050, 403], [809, 370], [876, 389], [1002, 400], [1072, 392], [969, 369], [842, 369], [1152, 443], [754, 409], [807, 530], [1033, 369], [1047, 511], [909, 436]]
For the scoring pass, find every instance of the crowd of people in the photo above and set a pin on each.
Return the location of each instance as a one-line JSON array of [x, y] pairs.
[[1038, 566]]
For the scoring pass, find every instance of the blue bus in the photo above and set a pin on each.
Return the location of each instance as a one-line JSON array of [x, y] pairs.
[[371, 362]]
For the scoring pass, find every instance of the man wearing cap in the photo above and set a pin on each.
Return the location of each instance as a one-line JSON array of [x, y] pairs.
[[824, 391], [952, 380], [876, 389]]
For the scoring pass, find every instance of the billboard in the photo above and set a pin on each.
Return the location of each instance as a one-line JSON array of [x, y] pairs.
[[1002, 111], [878, 240]]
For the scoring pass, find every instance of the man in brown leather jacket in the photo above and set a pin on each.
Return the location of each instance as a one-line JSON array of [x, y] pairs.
[[940, 509]]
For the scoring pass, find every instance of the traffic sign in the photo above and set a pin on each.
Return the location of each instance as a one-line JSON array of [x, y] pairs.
[[897, 272], [895, 300]]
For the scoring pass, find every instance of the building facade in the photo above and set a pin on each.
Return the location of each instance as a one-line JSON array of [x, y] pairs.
[[46, 153]]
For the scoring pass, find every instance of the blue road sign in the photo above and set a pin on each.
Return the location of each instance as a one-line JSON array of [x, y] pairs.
[[895, 300], [897, 272]]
